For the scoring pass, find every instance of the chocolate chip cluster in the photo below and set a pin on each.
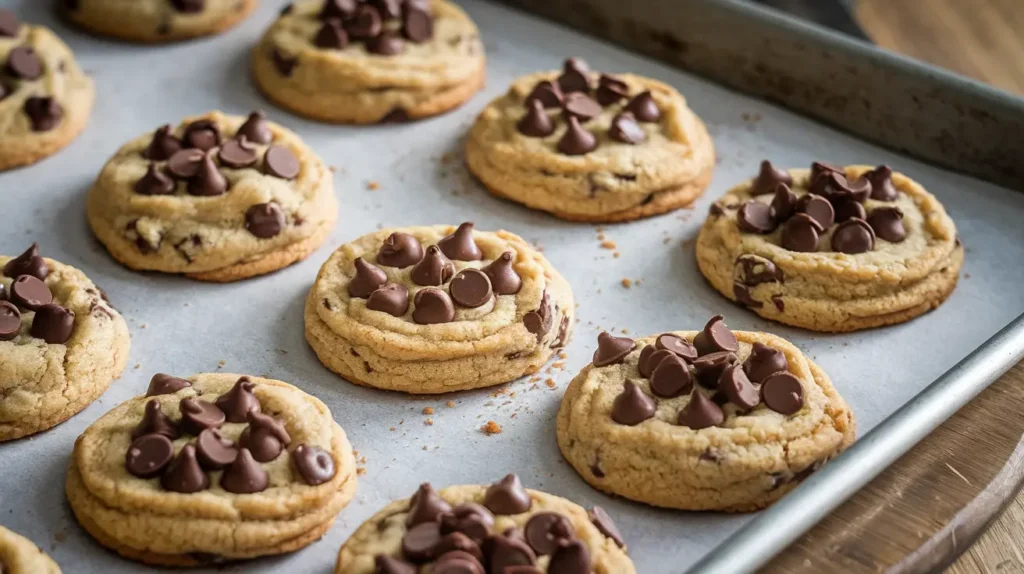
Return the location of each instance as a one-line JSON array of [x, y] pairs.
[[462, 540], [832, 203], [28, 292], [382, 25], [673, 364], [433, 269], [151, 452], [571, 93], [22, 68]]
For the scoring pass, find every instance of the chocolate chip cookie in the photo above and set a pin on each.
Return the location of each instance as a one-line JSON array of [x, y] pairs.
[[45, 98], [437, 309], [502, 528], [368, 62], [586, 146], [19, 555], [155, 21], [701, 420], [217, 198], [831, 248], [61, 343], [271, 474]]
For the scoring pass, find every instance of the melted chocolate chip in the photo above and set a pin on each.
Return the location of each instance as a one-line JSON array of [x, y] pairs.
[[677, 345], [340, 9], [753, 270], [400, 250], [314, 464], [611, 349], [44, 113], [460, 246], [433, 306], [469, 518], [420, 543], [506, 553], [285, 64], [570, 558], [606, 525], [391, 298], [9, 24], [650, 358], [184, 164], [632, 406], [367, 279]]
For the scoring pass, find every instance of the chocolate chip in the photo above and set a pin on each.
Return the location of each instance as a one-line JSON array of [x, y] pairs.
[[632, 406], [671, 378], [154, 182], [197, 416], [30, 293], [547, 93], [366, 280], [546, 531], [239, 401], [504, 279], [715, 337], [783, 393], [742, 294], [256, 129], [387, 43], [536, 123], [605, 525], [625, 129], [611, 349], [154, 421], [610, 90], [392, 9], [392, 298], [853, 236], [364, 24], [644, 107], [201, 134], [710, 367], [820, 168], [163, 145], [279, 161], [769, 178], [265, 220], [471, 288], [460, 245], [44, 113], [433, 306], [800, 233], [10, 321], [580, 105], [148, 455], [847, 209], [575, 76], [882, 188], [184, 164], [701, 412], [456, 562], [576, 140], [388, 565], [9, 23], [506, 552], [426, 506], [162, 384], [817, 208], [764, 361], [417, 25], [28, 263], [753, 270], [756, 217], [737, 388], [677, 345], [469, 518], [245, 475], [507, 497], [887, 223], [395, 116], [184, 474], [420, 542], [779, 303], [238, 153], [339, 9], [650, 358], [265, 437], [284, 64], [208, 181], [24, 64], [214, 451], [314, 464], [570, 558], [189, 6], [331, 36], [400, 250], [784, 202]]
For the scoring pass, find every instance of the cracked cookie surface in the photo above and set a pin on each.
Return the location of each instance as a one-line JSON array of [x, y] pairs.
[[156, 21], [45, 97], [61, 343], [633, 148], [503, 527], [671, 426], [437, 309], [197, 199], [371, 62], [213, 468], [19, 555], [863, 247]]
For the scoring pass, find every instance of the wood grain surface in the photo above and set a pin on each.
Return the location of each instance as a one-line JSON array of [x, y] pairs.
[[936, 505]]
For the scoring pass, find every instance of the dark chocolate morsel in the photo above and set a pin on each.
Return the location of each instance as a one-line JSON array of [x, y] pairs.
[[459, 245], [366, 280], [244, 475], [53, 324], [507, 496], [390, 298], [162, 384], [715, 337], [632, 406], [148, 455], [314, 464], [184, 474], [612, 349], [28, 263], [239, 401]]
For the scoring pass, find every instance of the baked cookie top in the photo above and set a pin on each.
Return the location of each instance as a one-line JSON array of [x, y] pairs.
[[60, 340], [619, 138], [474, 529], [40, 81], [216, 447], [19, 555], [439, 292], [155, 20], [215, 191]]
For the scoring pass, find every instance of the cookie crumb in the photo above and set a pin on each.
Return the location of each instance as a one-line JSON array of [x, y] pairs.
[[491, 427], [550, 383], [428, 410], [615, 254], [627, 283], [429, 422], [393, 429], [607, 244], [372, 185], [360, 471]]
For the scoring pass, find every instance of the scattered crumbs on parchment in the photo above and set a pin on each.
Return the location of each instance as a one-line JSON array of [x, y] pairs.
[[560, 365], [372, 185], [142, 326], [688, 243], [450, 404], [967, 275], [425, 447], [562, 354], [550, 383], [360, 470], [138, 366], [392, 429], [220, 364], [429, 422], [428, 410], [666, 240], [449, 157], [491, 427], [616, 254], [607, 244], [751, 117], [627, 282], [624, 331]]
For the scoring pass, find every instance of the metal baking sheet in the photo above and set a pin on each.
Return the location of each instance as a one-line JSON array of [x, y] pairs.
[[183, 327]]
